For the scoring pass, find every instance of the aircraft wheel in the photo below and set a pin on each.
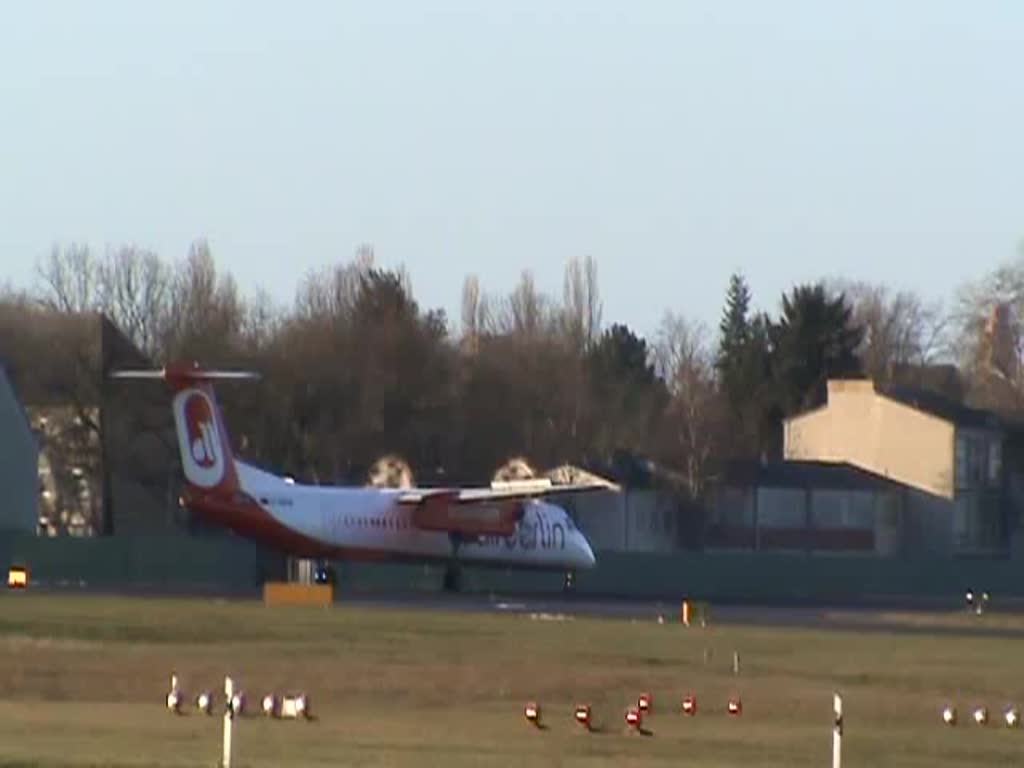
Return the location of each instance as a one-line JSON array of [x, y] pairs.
[[324, 573], [453, 578]]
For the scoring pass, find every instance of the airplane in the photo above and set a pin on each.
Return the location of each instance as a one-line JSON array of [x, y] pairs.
[[506, 525]]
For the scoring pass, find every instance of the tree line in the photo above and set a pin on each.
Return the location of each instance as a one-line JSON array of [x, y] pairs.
[[355, 369]]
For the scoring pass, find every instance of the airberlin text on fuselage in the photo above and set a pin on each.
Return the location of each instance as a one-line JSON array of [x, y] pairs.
[[529, 536], [533, 532]]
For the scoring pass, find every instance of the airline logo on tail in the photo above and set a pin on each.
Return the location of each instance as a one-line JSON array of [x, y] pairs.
[[199, 439]]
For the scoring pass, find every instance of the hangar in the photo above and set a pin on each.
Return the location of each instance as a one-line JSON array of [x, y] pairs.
[[19, 460], [103, 458], [886, 470]]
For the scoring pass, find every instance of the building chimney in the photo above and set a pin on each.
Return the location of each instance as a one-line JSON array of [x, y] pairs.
[[1000, 341]]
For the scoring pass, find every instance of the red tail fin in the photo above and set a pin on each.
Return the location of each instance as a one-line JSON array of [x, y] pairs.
[[206, 455]]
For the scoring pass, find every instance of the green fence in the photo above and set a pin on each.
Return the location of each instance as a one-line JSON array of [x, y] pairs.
[[158, 562], [181, 563], [784, 577]]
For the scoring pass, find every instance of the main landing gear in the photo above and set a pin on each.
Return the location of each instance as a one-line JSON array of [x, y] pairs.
[[453, 571], [324, 573], [453, 577]]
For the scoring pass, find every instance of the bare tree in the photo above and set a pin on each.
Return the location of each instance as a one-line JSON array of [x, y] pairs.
[[129, 285], [578, 329], [581, 308], [899, 327], [69, 279], [365, 258], [526, 309], [331, 292], [685, 361], [134, 292], [261, 321], [573, 310], [70, 287], [976, 301], [208, 313], [591, 300], [471, 313], [318, 295], [67, 327], [988, 335]]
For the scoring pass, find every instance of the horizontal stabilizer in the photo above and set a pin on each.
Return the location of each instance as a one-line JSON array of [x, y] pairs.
[[184, 373]]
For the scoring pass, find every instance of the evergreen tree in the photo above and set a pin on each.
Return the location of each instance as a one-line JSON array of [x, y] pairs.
[[625, 391], [734, 338], [814, 340], [744, 368]]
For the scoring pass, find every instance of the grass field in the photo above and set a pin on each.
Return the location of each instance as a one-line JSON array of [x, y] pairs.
[[83, 680]]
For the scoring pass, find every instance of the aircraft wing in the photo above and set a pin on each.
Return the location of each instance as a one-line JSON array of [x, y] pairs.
[[502, 491], [493, 511]]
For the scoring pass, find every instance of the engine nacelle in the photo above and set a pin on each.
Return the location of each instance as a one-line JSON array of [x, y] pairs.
[[469, 518]]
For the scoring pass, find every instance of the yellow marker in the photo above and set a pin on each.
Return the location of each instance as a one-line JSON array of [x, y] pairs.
[[280, 592], [17, 577]]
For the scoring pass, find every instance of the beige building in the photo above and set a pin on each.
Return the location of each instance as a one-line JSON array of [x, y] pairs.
[[636, 514], [947, 457], [804, 506]]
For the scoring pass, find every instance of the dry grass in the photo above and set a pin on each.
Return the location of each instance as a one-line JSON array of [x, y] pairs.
[[82, 683], [958, 620]]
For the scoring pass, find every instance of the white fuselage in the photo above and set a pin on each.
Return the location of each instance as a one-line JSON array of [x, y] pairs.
[[371, 520]]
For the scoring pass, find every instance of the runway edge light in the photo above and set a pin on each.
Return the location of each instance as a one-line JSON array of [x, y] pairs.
[[532, 713], [302, 707], [204, 703], [174, 696], [270, 708], [633, 718], [643, 703], [949, 715], [237, 704], [689, 705], [294, 707], [583, 715]]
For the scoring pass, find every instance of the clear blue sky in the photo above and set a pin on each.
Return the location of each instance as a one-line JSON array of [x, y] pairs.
[[674, 141]]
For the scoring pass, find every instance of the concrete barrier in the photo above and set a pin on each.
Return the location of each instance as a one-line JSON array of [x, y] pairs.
[[291, 593], [150, 563], [232, 565]]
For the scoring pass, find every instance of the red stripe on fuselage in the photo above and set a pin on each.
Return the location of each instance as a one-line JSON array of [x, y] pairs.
[[246, 517]]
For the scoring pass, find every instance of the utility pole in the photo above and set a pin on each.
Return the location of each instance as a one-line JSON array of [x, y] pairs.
[[837, 731], [229, 717]]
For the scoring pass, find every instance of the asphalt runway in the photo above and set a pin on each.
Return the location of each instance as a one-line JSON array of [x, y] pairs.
[[908, 616], [858, 618]]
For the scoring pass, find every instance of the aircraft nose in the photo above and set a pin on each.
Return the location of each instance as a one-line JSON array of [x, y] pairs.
[[586, 553]]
